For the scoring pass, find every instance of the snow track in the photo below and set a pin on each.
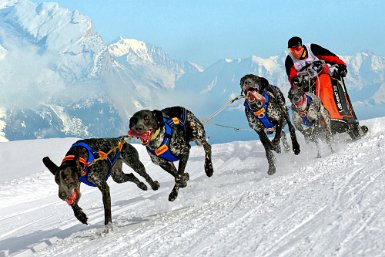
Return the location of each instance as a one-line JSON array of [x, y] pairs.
[[330, 206]]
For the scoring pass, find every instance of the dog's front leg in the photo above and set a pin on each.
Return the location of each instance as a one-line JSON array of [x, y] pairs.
[[296, 148], [107, 203], [269, 154], [169, 167], [105, 189], [277, 137], [79, 214], [325, 123], [182, 177]]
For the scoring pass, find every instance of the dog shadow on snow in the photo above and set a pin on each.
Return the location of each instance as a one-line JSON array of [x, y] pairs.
[[19, 244]]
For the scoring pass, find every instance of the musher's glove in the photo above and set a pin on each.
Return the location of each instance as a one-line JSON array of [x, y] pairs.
[[318, 66], [342, 70]]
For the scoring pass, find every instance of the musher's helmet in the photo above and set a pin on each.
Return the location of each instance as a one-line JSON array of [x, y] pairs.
[[294, 41]]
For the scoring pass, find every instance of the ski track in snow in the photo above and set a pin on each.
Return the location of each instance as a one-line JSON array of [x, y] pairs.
[[329, 206]]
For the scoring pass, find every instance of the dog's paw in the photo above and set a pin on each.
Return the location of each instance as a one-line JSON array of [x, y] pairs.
[[209, 168], [174, 194], [271, 170], [186, 176], [275, 146], [296, 149], [155, 185], [82, 217], [180, 181], [142, 186]]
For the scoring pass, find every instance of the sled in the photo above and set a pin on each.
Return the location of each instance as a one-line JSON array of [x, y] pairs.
[[307, 79]]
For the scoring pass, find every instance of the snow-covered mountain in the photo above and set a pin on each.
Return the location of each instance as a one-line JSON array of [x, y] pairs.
[[58, 78]]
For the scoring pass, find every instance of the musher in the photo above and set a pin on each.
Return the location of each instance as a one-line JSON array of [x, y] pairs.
[[331, 90]]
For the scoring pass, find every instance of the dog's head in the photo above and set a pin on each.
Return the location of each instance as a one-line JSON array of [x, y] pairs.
[[297, 97], [67, 178], [144, 123], [253, 87]]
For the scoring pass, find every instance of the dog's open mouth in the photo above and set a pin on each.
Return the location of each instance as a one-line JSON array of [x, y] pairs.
[[73, 198], [254, 96], [145, 137]]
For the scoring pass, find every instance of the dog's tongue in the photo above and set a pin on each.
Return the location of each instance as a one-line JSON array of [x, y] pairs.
[[255, 96], [144, 137], [73, 197]]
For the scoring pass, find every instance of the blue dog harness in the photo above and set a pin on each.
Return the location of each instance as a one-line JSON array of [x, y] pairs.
[[164, 150], [92, 155], [261, 114], [303, 115]]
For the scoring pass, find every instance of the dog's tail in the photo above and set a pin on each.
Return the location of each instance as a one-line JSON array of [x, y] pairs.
[[50, 165]]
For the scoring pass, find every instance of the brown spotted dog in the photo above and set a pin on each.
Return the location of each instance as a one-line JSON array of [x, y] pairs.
[[92, 161], [310, 117], [166, 135], [266, 112]]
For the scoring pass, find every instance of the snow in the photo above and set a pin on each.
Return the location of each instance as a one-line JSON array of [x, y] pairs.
[[330, 206], [124, 45]]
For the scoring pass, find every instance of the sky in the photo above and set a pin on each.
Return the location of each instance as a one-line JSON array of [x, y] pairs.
[[328, 206], [204, 31]]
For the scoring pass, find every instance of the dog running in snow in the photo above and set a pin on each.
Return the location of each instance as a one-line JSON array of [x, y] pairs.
[[166, 135], [92, 161], [310, 117], [266, 112]]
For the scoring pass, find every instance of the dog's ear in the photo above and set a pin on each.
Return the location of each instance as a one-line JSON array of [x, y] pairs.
[[158, 115], [52, 167], [77, 162], [263, 83]]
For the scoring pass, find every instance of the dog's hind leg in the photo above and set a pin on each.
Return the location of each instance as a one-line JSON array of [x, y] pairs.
[[130, 157], [198, 134], [119, 176], [208, 161]]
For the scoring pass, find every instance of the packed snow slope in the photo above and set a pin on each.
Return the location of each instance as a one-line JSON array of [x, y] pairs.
[[328, 206]]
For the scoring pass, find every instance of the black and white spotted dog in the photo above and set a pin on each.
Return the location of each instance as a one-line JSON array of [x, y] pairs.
[[166, 135], [310, 116], [92, 161], [266, 112]]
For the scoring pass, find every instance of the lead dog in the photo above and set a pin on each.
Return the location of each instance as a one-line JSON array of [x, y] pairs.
[[166, 135], [310, 117], [92, 161], [267, 113]]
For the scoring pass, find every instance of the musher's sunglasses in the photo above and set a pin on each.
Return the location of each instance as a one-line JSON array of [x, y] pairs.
[[295, 48]]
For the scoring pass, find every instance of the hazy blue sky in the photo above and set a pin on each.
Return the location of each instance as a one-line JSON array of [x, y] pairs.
[[204, 31]]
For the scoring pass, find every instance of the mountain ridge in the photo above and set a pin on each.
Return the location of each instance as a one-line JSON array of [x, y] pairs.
[[67, 66]]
